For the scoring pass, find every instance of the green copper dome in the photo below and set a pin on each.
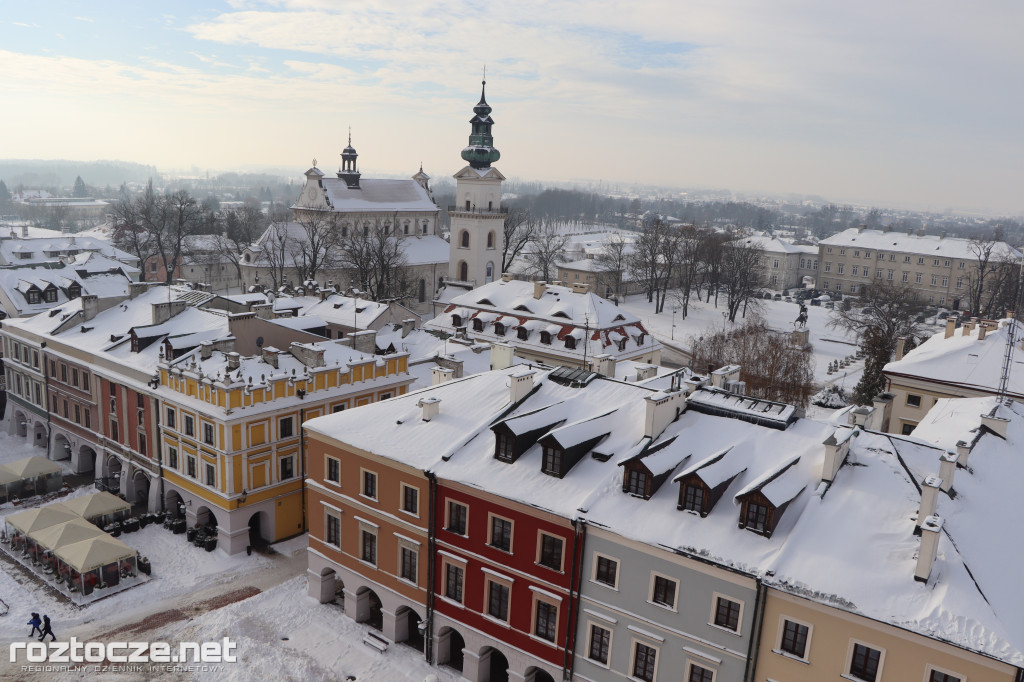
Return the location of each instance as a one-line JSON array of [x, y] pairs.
[[481, 152]]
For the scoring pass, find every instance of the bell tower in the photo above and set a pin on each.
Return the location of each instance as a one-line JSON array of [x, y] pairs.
[[477, 218], [349, 172]]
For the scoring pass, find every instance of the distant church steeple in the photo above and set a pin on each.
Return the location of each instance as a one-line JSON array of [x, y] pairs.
[[481, 152], [349, 172]]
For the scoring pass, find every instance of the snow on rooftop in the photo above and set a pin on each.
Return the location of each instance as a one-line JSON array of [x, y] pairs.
[[926, 245], [966, 360]]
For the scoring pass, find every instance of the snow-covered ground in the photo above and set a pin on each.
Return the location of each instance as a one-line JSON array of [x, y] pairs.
[[704, 319]]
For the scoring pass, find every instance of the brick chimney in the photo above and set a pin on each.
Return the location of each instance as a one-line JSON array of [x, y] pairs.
[[901, 343], [165, 310], [431, 407], [982, 330], [206, 350], [662, 410], [520, 384], [539, 288], [996, 424], [234, 361], [264, 311], [950, 327], [837, 447], [580, 288], [310, 356], [365, 341], [930, 533], [929, 499], [506, 277], [270, 356]]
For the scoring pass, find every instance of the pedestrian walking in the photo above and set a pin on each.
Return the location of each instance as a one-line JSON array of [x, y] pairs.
[[46, 630], [35, 623]]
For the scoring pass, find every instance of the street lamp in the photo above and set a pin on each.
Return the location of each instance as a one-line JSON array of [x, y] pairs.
[[674, 311]]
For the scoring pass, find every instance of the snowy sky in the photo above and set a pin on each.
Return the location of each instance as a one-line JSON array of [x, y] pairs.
[[910, 103]]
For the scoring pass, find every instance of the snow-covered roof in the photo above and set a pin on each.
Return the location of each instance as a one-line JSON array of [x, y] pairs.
[[965, 360], [50, 248], [559, 310], [377, 195], [771, 244], [101, 277], [419, 249], [926, 245]]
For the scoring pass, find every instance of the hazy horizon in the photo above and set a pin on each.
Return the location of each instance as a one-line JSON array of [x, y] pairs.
[[908, 105]]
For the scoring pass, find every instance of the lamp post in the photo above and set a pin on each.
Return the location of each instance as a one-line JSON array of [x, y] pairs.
[[674, 311]]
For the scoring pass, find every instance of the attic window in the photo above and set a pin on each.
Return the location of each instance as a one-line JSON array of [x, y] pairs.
[[523, 333], [33, 296], [570, 343], [456, 320], [637, 483], [640, 339], [755, 516], [560, 314], [552, 465], [504, 447], [621, 344], [694, 498], [478, 325], [499, 329], [522, 307], [545, 337], [484, 301], [618, 317], [50, 295]]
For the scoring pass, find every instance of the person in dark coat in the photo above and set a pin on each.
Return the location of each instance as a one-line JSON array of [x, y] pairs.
[[46, 630], [35, 623]]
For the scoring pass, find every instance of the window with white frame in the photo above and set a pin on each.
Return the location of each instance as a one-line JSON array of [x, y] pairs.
[[606, 570], [699, 673], [865, 662], [600, 644], [410, 499], [940, 675], [408, 558], [211, 474], [332, 528], [794, 638], [333, 470], [287, 467], [368, 540], [454, 581], [727, 613], [497, 600], [500, 534], [663, 590], [549, 552], [545, 623], [457, 516], [369, 484], [645, 661], [172, 457]]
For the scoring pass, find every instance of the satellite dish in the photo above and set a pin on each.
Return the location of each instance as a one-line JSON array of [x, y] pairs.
[[259, 342]]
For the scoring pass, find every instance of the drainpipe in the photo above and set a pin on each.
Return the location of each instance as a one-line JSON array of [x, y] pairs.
[[302, 457], [428, 630], [755, 631], [159, 453], [569, 661], [1020, 675]]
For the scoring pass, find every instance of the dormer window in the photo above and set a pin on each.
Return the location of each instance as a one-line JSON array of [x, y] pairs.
[[621, 344], [504, 447], [755, 517], [560, 314], [694, 498], [522, 333], [552, 465], [545, 337], [456, 320], [570, 343], [33, 296], [499, 329], [478, 325], [640, 339], [50, 295], [636, 482], [74, 291]]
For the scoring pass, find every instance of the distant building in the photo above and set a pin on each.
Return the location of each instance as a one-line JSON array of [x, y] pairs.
[[550, 323], [785, 265], [937, 267]]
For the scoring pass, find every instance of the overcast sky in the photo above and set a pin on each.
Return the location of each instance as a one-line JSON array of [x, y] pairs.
[[911, 103]]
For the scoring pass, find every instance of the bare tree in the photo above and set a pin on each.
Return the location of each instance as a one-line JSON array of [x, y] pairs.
[[316, 248], [688, 267], [889, 312], [772, 367], [374, 255], [241, 229], [274, 251], [992, 277], [653, 261], [548, 251], [611, 264], [742, 277], [520, 228]]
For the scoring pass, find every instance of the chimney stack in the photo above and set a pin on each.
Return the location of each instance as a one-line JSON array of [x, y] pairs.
[[721, 376], [234, 361], [24, 231], [520, 384], [982, 330], [929, 499], [947, 469], [502, 355], [950, 326], [645, 372], [270, 356], [439, 375], [662, 410], [506, 277], [879, 420], [930, 530], [206, 350], [408, 326], [539, 288], [431, 407], [996, 424], [837, 447], [310, 356], [901, 343], [90, 306], [365, 341], [604, 364]]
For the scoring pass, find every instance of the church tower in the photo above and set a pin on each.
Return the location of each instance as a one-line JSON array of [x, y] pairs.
[[477, 219]]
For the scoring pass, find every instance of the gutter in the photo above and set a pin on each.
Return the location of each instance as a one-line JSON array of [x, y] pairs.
[[428, 630], [575, 577], [755, 633]]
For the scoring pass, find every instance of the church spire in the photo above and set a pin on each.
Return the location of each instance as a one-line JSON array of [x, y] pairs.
[[481, 152]]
